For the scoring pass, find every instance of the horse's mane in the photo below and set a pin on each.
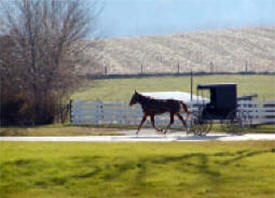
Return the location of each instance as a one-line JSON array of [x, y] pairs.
[[147, 97]]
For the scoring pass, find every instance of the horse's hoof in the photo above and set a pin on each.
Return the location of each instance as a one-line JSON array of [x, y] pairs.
[[159, 130]]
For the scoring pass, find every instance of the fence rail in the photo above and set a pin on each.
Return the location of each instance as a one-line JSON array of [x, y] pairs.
[[98, 113], [107, 113]]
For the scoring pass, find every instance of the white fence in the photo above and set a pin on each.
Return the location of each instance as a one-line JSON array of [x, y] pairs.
[[112, 113], [101, 113], [258, 112]]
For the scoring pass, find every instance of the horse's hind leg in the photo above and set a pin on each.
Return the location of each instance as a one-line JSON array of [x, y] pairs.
[[153, 123], [141, 123], [183, 121], [171, 122]]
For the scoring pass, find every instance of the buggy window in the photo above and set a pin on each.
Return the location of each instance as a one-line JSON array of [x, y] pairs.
[[204, 93]]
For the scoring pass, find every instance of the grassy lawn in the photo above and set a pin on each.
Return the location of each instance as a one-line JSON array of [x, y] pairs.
[[58, 130], [216, 128], [207, 169], [122, 89]]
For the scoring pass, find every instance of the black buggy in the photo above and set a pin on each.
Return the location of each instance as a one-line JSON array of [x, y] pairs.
[[222, 108]]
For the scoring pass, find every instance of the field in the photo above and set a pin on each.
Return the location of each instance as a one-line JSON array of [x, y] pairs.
[[231, 50], [209, 169], [122, 89]]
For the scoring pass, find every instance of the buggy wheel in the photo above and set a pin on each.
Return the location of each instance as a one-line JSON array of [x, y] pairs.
[[200, 126], [233, 123], [205, 126]]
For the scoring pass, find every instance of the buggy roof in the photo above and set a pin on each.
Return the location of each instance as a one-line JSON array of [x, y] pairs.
[[175, 95], [222, 85]]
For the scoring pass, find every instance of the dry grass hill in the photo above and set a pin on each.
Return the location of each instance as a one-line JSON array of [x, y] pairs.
[[231, 50]]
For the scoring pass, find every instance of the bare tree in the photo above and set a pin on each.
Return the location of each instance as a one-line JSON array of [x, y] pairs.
[[44, 41]]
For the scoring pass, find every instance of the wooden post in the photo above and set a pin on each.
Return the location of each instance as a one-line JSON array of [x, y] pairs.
[[178, 68], [105, 71], [191, 85], [70, 110], [211, 67]]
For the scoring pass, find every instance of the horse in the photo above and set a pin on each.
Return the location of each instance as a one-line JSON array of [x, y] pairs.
[[152, 107]]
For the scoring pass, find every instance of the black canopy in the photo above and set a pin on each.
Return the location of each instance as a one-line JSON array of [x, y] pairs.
[[223, 85]]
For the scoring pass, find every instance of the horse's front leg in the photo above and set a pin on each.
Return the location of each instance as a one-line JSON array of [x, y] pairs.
[[141, 123], [153, 123], [171, 122]]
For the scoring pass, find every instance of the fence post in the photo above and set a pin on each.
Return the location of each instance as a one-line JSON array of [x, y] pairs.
[[76, 116], [70, 110], [105, 71], [191, 85], [211, 67], [99, 111]]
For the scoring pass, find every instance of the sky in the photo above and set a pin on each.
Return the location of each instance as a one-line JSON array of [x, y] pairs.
[[131, 18]]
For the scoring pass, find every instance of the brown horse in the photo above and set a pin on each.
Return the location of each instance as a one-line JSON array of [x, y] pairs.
[[152, 107]]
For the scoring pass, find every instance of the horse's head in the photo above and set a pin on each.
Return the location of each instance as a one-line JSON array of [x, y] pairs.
[[134, 99]]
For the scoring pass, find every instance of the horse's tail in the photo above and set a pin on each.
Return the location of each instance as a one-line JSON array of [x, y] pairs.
[[185, 108]]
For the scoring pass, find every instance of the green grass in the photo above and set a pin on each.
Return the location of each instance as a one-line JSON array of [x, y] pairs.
[[208, 169], [58, 130], [122, 89], [253, 129]]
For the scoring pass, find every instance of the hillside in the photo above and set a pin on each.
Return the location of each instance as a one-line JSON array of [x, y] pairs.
[[231, 50]]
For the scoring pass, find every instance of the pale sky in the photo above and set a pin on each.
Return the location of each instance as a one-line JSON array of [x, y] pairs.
[[126, 18]]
